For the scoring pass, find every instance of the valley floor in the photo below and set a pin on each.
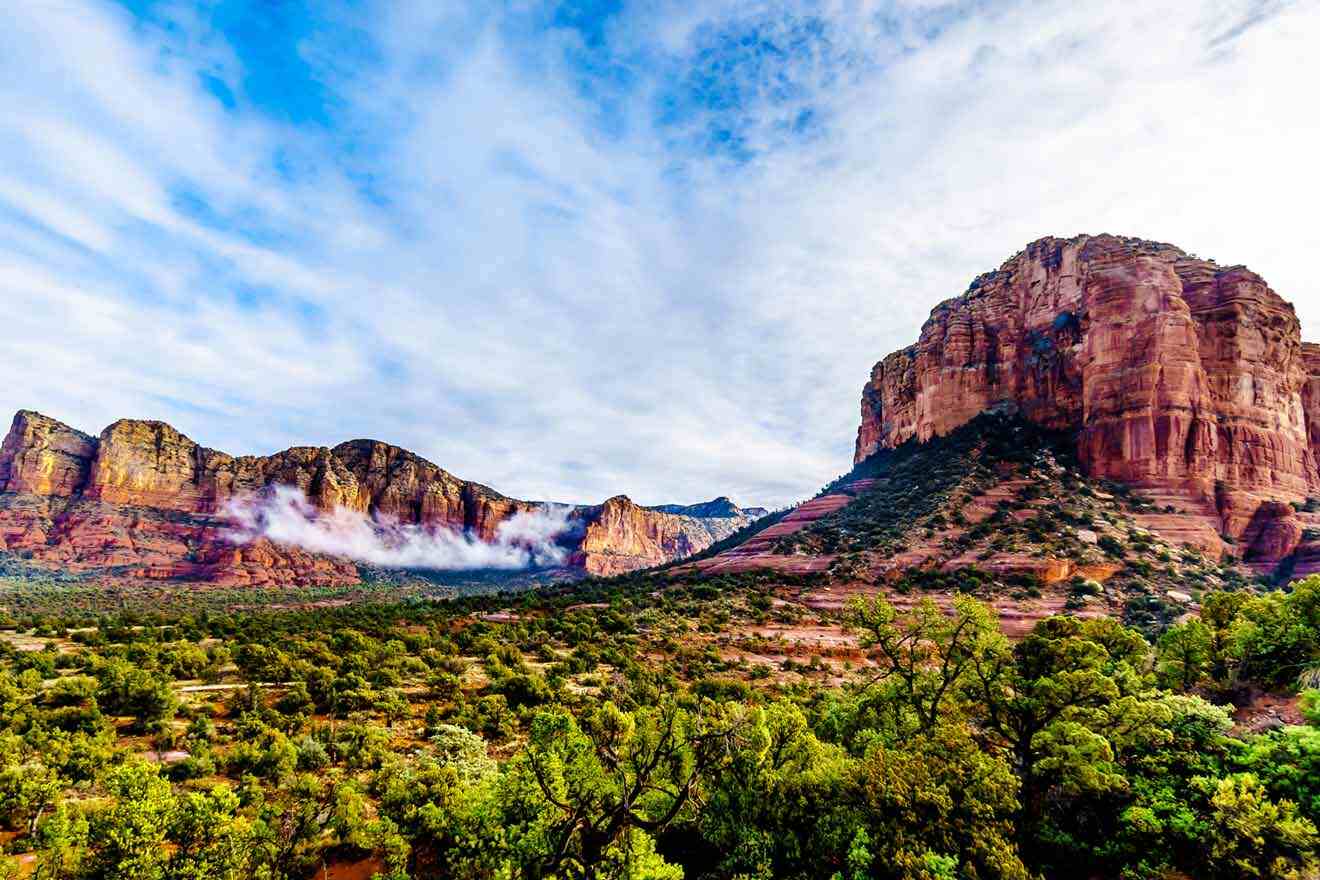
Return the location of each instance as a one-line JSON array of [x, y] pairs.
[[961, 660], [449, 739]]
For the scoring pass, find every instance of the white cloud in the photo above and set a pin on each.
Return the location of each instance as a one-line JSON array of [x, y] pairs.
[[568, 308], [285, 516]]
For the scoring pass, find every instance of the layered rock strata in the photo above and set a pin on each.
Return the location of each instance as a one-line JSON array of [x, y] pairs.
[[1179, 376], [619, 536], [144, 501]]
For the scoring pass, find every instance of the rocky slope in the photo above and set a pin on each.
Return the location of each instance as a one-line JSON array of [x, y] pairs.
[[1176, 375], [144, 501], [1000, 508]]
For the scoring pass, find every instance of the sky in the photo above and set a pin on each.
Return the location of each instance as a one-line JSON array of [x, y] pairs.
[[576, 249]]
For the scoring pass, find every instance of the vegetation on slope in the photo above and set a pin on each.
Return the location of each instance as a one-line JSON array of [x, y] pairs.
[[919, 482], [988, 508]]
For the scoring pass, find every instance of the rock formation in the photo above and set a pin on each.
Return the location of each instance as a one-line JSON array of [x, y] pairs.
[[1179, 376], [620, 536], [144, 501], [41, 456], [1311, 392]]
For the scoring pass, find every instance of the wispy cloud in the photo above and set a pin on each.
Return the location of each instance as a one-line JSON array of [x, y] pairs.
[[528, 539], [667, 240]]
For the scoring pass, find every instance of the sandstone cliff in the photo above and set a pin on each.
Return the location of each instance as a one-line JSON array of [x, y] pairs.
[[144, 501], [619, 536], [1177, 375], [41, 456]]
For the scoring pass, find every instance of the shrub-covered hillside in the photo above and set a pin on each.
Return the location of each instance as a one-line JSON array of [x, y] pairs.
[[1001, 508]]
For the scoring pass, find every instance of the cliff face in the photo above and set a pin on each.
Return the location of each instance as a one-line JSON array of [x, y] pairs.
[[619, 536], [41, 456], [1179, 376], [1311, 393], [150, 464], [144, 501]]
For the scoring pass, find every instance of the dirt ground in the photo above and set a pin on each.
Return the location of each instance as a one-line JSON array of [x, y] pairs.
[[1266, 712]]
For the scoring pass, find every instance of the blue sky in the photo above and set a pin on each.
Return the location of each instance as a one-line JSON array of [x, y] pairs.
[[580, 248]]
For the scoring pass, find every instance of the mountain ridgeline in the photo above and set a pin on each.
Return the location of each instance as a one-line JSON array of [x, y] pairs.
[[1161, 401], [142, 501]]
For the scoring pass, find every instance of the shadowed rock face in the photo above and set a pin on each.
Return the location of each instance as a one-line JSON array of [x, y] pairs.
[[1182, 377], [144, 501]]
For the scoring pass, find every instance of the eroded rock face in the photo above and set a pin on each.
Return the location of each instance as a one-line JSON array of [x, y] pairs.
[[1311, 392], [41, 456], [144, 501], [1179, 376], [1274, 532], [620, 536]]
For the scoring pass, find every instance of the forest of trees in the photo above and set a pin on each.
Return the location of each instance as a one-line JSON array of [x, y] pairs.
[[431, 744]]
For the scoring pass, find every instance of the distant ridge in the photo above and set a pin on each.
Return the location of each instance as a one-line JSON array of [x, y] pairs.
[[717, 508], [143, 501]]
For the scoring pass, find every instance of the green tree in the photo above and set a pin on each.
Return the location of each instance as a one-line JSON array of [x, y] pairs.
[[212, 842], [1062, 702], [1310, 706], [130, 835], [940, 806], [582, 791], [1276, 637], [1287, 763], [126, 689], [392, 704], [1184, 656], [1218, 612], [448, 807], [1253, 836], [925, 655], [290, 825], [633, 857], [462, 750], [27, 790], [1157, 826], [783, 804], [62, 844]]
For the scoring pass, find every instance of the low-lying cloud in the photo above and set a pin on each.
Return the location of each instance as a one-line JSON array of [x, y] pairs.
[[283, 515]]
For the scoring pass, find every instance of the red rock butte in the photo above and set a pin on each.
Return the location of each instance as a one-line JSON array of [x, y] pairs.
[[1181, 377]]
